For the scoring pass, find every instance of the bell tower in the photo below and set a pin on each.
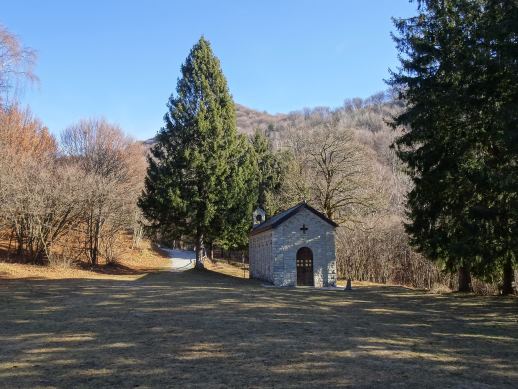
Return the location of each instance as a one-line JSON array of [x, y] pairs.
[[259, 216]]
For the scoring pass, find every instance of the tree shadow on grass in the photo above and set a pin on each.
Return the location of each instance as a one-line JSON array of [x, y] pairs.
[[9, 256], [113, 268], [201, 328]]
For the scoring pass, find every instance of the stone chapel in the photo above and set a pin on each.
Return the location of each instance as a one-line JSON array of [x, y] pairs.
[[294, 247]]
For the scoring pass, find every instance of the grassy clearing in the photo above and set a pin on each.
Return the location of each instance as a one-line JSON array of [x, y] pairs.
[[208, 329]]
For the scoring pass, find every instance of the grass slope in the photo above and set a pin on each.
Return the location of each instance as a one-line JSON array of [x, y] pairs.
[[131, 264]]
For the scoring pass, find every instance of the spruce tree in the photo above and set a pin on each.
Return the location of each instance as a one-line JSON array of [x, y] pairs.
[[456, 77], [197, 172], [495, 110], [231, 228], [270, 170]]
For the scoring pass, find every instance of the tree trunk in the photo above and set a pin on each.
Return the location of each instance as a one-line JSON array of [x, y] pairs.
[[210, 251], [199, 251], [94, 243], [10, 241], [96, 237], [464, 279], [507, 287], [19, 247]]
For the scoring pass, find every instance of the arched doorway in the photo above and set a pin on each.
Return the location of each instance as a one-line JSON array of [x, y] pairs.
[[305, 267]]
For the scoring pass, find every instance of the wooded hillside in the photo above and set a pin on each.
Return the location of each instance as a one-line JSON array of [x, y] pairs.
[[373, 246]]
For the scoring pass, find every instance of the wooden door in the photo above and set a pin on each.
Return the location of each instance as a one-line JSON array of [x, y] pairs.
[[305, 267]]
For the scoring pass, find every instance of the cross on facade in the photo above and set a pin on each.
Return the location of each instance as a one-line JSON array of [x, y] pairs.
[[303, 228]]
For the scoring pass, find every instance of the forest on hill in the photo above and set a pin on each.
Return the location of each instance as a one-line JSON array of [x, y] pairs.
[[371, 245]]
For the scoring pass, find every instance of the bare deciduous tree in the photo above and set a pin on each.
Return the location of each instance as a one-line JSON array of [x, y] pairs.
[[334, 171], [28, 151], [114, 170], [16, 64]]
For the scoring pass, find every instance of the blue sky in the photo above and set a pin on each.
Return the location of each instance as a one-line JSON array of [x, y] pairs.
[[121, 59]]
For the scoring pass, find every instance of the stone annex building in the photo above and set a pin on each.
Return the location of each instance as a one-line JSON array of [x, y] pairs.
[[294, 247]]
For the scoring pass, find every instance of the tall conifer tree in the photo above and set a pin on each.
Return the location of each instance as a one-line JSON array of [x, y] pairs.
[[495, 114], [456, 77], [270, 169], [198, 167]]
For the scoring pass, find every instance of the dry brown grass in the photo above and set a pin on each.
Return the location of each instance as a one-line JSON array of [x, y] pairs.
[[228, 269], [132, 264], [206, 329]]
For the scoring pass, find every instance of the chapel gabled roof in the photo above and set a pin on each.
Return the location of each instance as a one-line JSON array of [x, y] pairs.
[[281, 217]]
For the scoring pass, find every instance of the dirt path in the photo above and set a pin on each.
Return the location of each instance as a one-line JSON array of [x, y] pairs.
[[181, 260]]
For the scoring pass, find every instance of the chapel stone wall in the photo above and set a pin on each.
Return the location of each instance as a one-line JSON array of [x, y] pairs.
[[260, 256], [288, 238]]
